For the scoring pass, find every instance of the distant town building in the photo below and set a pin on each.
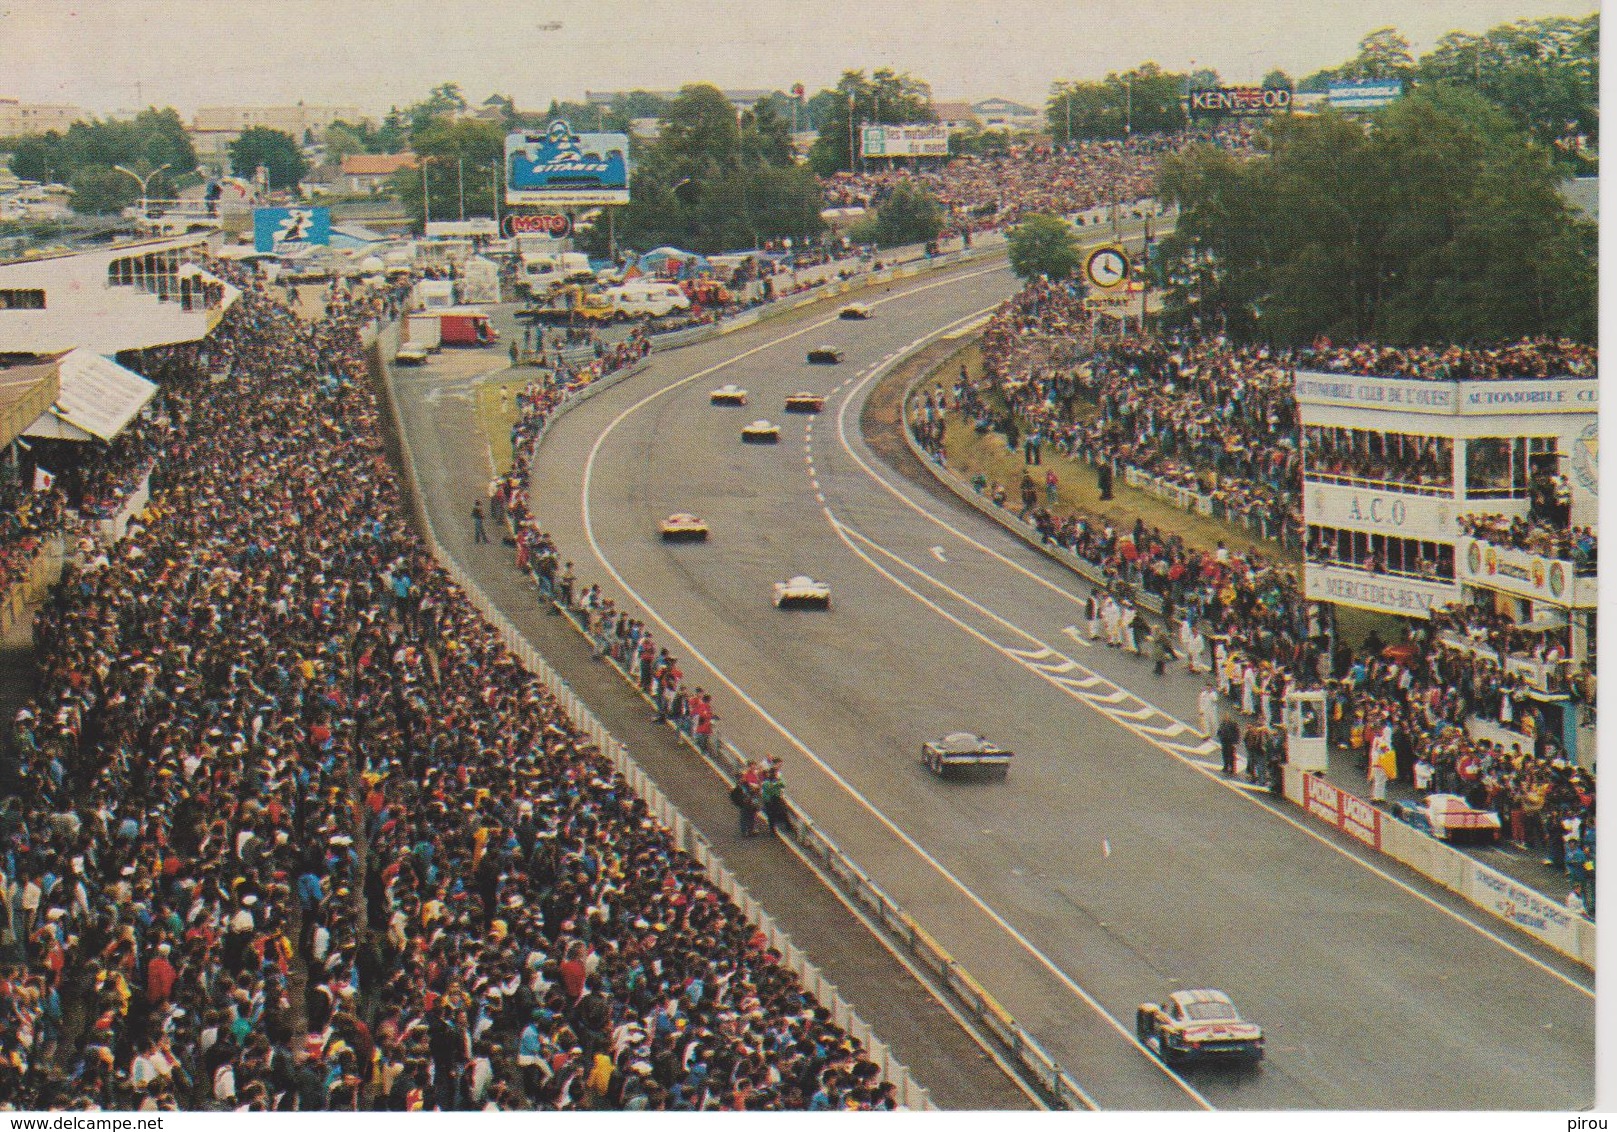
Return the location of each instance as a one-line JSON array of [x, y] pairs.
[[18, 118], [741, 99], [213, 128], [955, 116], [1003, 114], [369, 172]]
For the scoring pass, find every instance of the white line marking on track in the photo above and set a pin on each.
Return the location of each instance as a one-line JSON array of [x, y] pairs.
[[1072, 631], [791, 737]]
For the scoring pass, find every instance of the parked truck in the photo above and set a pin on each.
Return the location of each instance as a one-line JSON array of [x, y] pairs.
[[466, 326]]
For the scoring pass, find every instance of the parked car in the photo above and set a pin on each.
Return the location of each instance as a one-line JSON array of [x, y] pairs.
[[824, 356], [409, 355], [804, 403], [1198, 1025], [1449, 817]]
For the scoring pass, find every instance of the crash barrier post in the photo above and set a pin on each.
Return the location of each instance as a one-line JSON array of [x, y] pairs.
[[910, 1092], [1544, 919]]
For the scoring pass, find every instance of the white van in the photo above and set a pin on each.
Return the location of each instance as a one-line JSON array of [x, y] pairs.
[[541, 273], [638, 300]]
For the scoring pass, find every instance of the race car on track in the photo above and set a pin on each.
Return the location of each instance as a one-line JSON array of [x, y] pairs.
[[824, 356], [728, 395], [1198, 1025], [761, 432], [963, 751], [856, 312], [681, 527], [804, 403], [802, 592]]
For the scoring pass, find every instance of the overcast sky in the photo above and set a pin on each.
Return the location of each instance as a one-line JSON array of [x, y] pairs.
[[111, 55]]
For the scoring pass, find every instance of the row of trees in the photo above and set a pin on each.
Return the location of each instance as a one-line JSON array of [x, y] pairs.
[[85, 157], [1440, 222]]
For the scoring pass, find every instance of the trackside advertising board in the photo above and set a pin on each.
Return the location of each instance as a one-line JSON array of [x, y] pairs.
[[283, 230], [906, 141], [1353, 816], [1369, 94], [1238, 101], [559, 168]]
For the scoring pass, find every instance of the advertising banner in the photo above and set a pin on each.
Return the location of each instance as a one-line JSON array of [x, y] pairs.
[[1385, 593], [282, 230], [1238, 101], [560, 168], [906, 141], [1518, 572], [1450, 398], [556, 225], [1525, 908], [1383, 512], [1368, 94], [1353, 816]]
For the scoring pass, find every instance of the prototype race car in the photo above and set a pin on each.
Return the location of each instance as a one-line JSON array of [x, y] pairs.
[[1449, 817], [804, 403], [802, 592], [681, 527], [1198, 1025], [855, 311], [963, 751], [824, 356], [728, 395], [760, 432]]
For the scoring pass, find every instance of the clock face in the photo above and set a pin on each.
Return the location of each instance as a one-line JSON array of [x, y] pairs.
[[1107, 267]]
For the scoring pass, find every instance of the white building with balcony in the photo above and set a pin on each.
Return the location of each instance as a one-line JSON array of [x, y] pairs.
[[1391, 467], [109, 300]]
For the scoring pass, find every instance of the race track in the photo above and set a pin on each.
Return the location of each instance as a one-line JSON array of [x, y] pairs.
[[1110, 866]]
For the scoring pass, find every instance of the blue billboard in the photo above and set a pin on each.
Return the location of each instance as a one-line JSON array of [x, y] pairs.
[[283, 230], [560, 168], [1368, 94]]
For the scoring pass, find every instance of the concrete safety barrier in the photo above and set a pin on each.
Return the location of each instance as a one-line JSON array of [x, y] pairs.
[[1546, 920]]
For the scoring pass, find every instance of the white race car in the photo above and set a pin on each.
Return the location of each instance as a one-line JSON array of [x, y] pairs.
[[681, 527], [1198, 1025], [963, 751], [804, 403], [761, 432], [728, 395], [802, 592]]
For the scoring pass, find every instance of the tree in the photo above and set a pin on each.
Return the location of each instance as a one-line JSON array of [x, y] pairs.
[[886, 97], [1277, 80], [1043, 245], [1144, 100], [461, 160], [445, 101], [1440, 223], [276, 150], [79, 157], [1383, 54], [910, 215], [101, 189]]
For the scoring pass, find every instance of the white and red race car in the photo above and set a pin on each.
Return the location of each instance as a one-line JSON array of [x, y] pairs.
[[1198, 1025]]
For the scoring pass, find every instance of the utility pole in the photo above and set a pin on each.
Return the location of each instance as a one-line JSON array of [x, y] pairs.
[[426, 197], [850, 133], [460, 173], [494, 194]]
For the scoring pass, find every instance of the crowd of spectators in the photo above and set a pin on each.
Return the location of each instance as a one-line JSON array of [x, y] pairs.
[[27, 519], [1528, 358], [992, 191], [1577, 544], [287, 827]]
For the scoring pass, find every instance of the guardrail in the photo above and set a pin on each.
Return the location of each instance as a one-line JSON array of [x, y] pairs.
[[856, 883], [911, 1093]]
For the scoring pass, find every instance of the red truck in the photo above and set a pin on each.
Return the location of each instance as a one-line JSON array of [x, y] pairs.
[[465, 327]]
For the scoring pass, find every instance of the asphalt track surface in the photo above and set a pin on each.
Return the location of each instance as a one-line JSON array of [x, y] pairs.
[[1110, 866]]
